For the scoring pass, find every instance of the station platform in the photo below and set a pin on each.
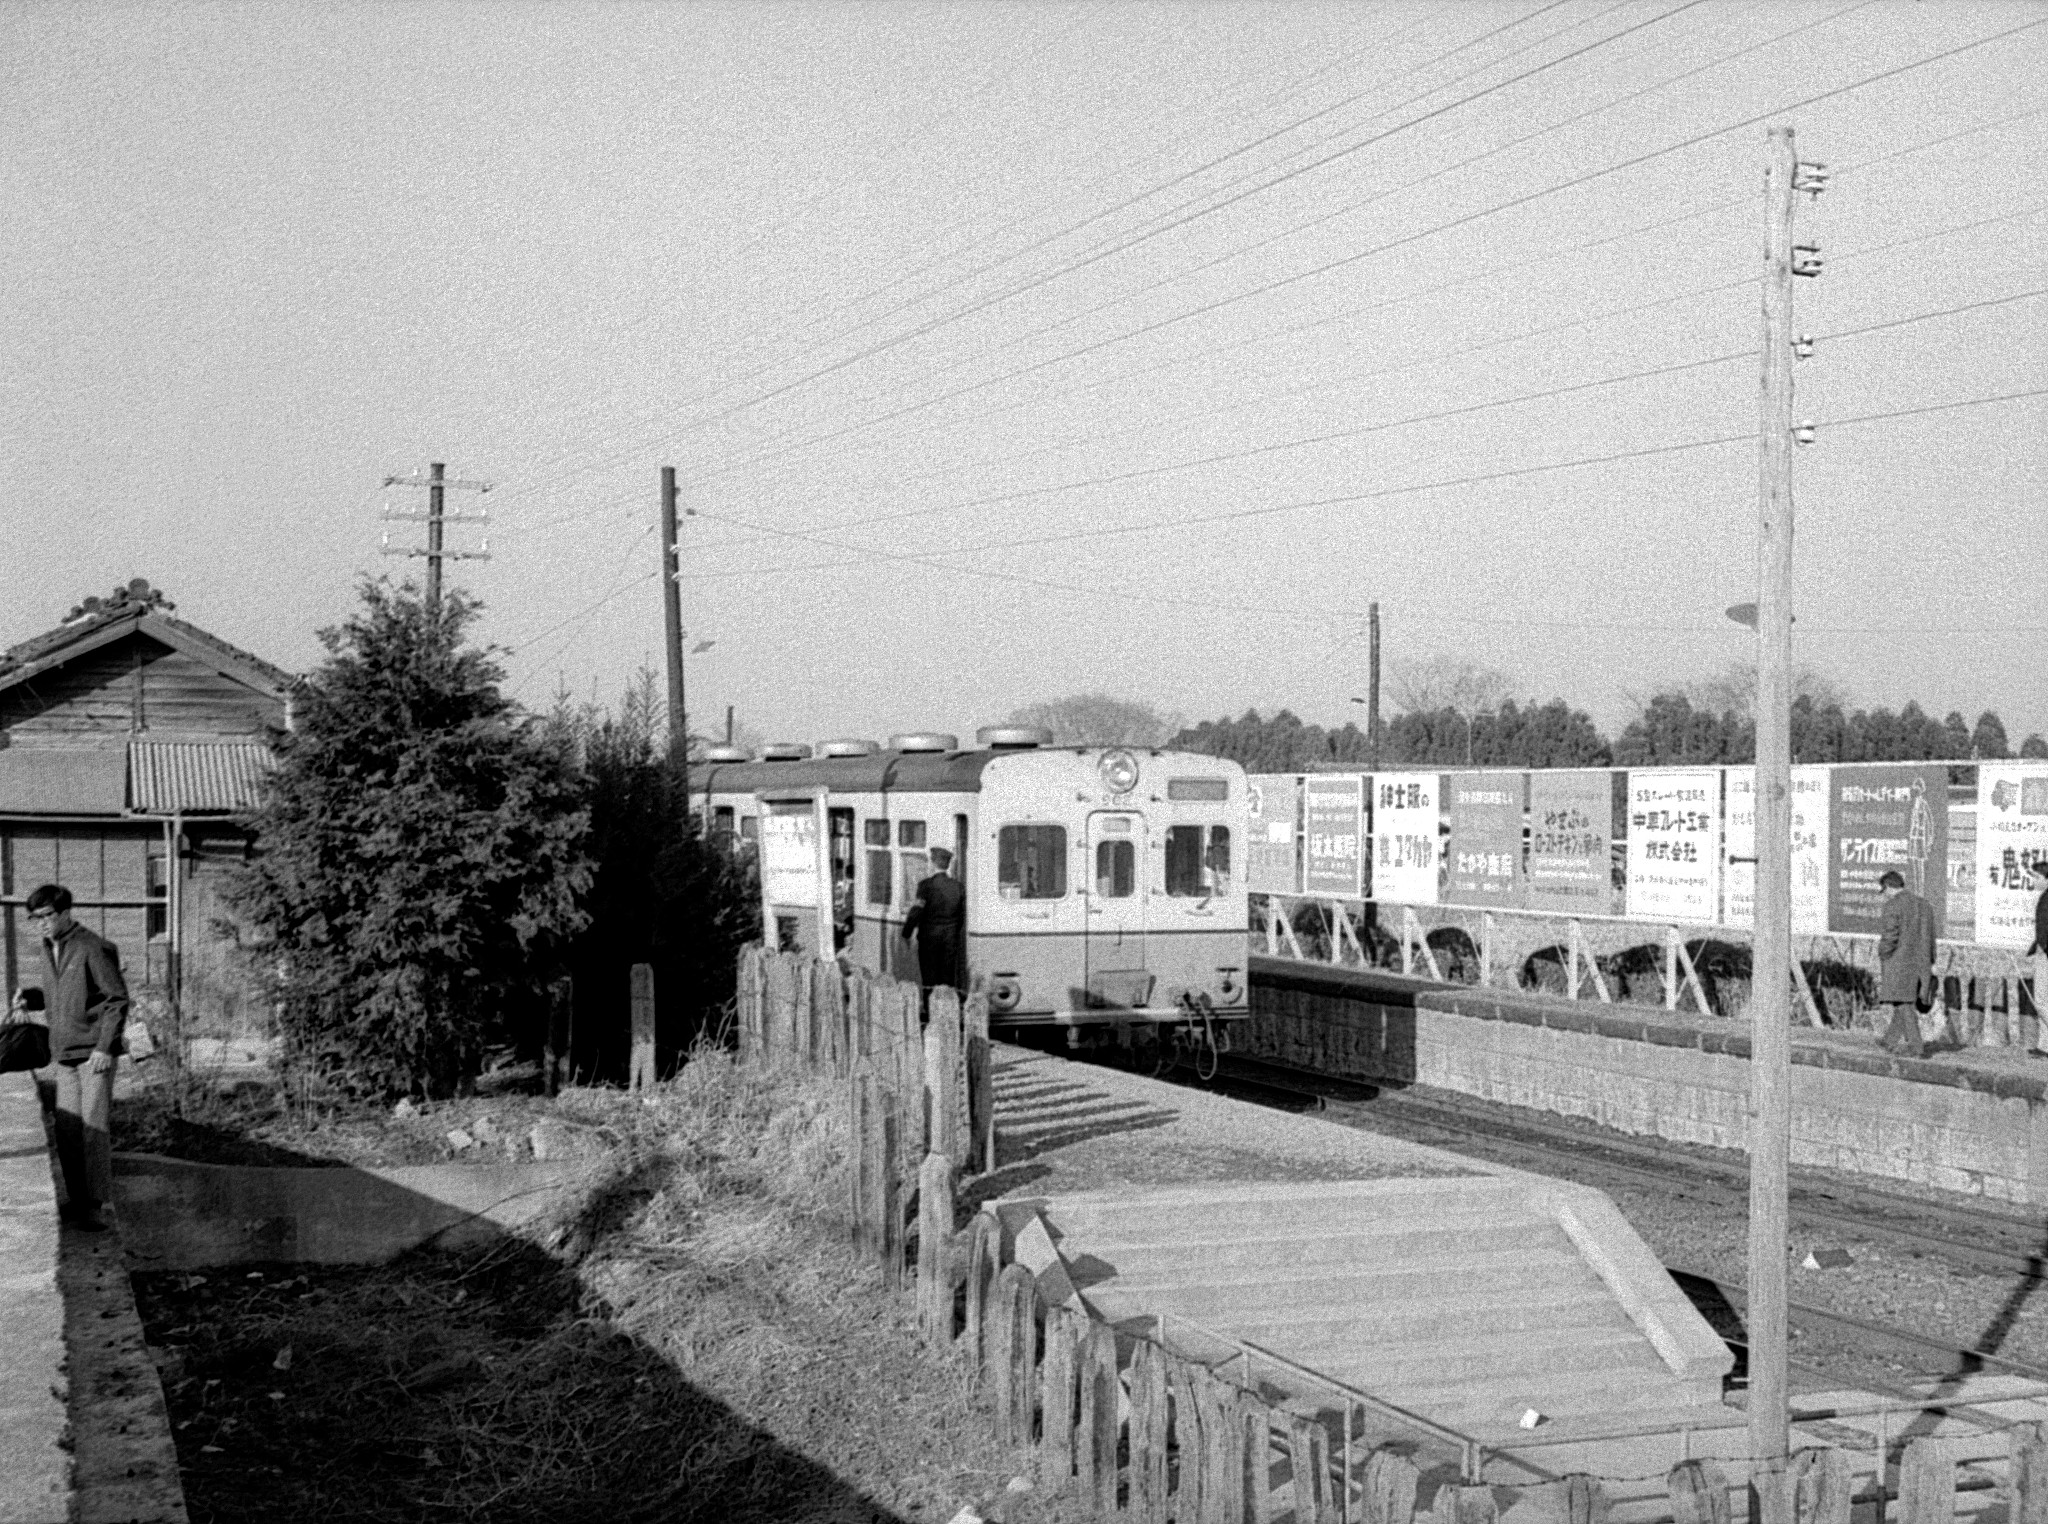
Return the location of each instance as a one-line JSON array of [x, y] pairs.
[[1970, 1121]]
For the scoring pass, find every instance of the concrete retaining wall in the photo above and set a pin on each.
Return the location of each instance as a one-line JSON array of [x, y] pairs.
[[1976, 1130], [35, 1482]]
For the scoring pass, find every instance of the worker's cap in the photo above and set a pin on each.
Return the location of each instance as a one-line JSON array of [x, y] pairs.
[[1891, 880]]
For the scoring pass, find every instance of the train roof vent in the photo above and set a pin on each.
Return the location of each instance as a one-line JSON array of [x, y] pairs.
[[847, 748], [728, 754], [785, 751], [1012, 737], [924, 740]]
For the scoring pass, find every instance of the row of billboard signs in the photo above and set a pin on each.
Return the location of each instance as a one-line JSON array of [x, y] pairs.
[[1660, 844]]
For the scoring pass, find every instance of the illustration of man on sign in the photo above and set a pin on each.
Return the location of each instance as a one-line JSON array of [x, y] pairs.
[[1919, 836]]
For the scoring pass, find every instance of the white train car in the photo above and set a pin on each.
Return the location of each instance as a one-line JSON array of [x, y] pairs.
[[1105, 886]]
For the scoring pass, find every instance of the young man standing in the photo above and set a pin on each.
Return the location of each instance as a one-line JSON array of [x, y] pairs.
[[87, 1001]]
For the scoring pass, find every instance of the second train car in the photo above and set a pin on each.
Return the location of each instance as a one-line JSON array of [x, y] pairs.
[[1105, 885]]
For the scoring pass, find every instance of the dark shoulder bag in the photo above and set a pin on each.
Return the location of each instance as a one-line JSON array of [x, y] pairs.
[[25, 1044]]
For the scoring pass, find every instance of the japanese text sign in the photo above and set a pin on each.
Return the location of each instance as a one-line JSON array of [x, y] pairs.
[[1674, 844], [1485, 850], [1810, 875], [1271, 860], [1887, 818], [789, 854], [1571, 827], [1333, 836], [1404, 837], [2012, 831]]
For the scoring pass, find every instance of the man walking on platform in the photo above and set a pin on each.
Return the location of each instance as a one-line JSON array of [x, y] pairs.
[[87, 1001], [939, 917], [1905, 959]]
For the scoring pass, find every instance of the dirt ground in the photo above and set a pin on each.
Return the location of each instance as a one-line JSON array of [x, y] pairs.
[[695, 1341]]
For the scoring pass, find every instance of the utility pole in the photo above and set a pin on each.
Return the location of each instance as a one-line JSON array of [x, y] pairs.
[[1770, 1003], [436, 518], [672, 620], [1372, 702]]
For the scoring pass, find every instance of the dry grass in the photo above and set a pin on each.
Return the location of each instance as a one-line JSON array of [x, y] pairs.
[[692, 1341]]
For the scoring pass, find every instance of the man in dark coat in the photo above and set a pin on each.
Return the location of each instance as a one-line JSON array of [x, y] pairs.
[[87, 1001], [939, 917], [1905, 958]]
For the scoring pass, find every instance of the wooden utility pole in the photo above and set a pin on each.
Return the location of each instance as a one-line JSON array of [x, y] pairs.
[[436, 486], [436, 519], [672, 619], [1372, 692], [1770, 1003]]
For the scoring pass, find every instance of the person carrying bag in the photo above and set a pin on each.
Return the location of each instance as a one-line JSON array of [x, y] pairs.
[[24, 1041]]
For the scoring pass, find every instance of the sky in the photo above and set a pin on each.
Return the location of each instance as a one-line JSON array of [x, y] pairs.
[[1012, 351]]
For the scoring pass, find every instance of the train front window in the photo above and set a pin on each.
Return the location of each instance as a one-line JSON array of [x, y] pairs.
[[1116, 870], [1197, 861], [1031, 862]]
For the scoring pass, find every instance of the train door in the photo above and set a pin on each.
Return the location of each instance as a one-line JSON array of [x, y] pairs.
[[1116, 891]]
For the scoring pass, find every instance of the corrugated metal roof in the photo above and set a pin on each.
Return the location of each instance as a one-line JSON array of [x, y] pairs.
[[196, 778], [63, 780]]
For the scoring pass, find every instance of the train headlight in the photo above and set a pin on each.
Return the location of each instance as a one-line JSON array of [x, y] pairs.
[[1004, 993], [1119, 771]]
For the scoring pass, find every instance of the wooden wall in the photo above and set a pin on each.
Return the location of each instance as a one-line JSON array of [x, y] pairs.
[[136, 685], [96, 862]]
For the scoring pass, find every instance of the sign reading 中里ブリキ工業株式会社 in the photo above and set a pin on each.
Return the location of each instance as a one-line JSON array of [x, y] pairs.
[[1571, 831], [1886, 818], [1272, 860], [1333, 835], [1485, 851], [1674, 844], [2012, 831], [1405, 831]]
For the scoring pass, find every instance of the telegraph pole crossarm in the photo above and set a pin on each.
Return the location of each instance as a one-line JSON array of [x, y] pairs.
[[436, 518]]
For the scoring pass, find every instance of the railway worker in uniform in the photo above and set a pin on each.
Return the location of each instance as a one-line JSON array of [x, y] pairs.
[[939, 917], [1905, 957]]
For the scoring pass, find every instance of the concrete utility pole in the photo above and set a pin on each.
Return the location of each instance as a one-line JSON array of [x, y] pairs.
[[1770, 1001], [672, 619], [436, 518], [1372, 702]]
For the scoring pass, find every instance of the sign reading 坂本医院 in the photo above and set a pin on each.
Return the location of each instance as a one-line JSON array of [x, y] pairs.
[[1404, 837], [2012, 831], [1486, 838], [1571, 831], [1333, 836], [789, 854], [1809, 848], [1272, 864], [1884, 818], [1674, 843]]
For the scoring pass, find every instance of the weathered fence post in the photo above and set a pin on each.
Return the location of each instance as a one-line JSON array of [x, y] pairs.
[[1699, 1493], [1149, 1433], [1095, 1436], [1457, 1503], [1013, 1354], [864, 1188], [1056, 1400], [942, 1086], [1927, 1482], [1308, 1465], [746, 1000], [1821, 1491], [1223, 1462], [910, 1074], [1255, 1420], [981, 1085], [774, 993], [2027, 1486], [1390, 1484], [1190, 1440], [984, 1251], [640, 1076], [828, 1006], [936, 1184], [892, 1197]]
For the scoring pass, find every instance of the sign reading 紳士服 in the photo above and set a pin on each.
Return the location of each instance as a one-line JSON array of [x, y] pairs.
[[1809, 849], [1887, 818], [1571, 831], [1272, 865], [1404, 837], [1486, 838], [1333, 837], [789, 854], [1674, 843], [2012, 831]]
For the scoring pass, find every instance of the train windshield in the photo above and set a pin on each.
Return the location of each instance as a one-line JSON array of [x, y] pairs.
[[1197, 861], [1031, 862], [1116, 870]]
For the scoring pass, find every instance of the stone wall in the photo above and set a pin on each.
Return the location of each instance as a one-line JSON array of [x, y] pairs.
[[35, 1484]]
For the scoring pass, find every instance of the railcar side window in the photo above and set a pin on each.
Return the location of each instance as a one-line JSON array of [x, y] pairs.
[[1031, 862], [875, 832], [910, 833], [1197, 860], [1116, 869]]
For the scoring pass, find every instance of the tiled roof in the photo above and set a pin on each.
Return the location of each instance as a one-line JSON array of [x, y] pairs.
[[195, 778]]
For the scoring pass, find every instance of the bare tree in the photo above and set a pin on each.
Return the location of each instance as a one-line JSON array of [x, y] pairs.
[[1449, 682], [1099, 719], [1734, 689]]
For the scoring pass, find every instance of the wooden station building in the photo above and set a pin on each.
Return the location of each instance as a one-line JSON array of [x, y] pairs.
[[130, 741]]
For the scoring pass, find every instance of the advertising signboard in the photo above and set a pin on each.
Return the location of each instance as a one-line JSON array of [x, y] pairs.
[[1674, 843], [1404, 837], [1486, 838], [1809, 849], [1333, 835], [1571, 830], [1961, 889], [1272, 863], [1893, 817], [789, 854], [2012, 831]]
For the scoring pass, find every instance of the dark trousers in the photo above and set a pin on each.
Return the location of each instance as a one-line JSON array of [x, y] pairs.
[[1903, 1034], [85, 1140]]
